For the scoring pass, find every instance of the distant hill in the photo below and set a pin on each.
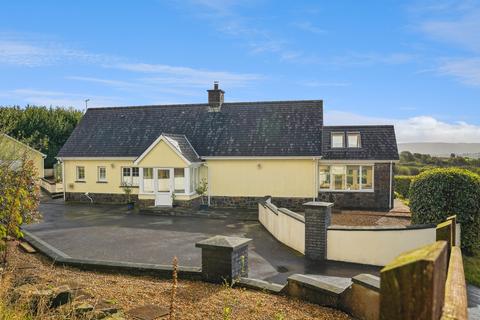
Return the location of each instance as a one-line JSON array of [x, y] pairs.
[[442, 149]]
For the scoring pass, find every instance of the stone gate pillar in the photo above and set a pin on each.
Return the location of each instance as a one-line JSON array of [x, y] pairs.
[[317, 220], [224, 258]]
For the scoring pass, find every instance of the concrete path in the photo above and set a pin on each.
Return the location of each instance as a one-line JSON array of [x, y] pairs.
[[108, 232], [473, 302]]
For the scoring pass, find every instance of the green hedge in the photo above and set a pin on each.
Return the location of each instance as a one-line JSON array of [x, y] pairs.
[[438, 193], [402, 185]]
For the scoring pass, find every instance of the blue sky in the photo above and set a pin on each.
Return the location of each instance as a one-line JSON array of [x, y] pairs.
[[415, 64]]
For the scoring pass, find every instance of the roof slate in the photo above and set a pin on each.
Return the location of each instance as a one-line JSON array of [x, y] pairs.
[[283, 128], [376, 143], [181, 143], [242, 129]]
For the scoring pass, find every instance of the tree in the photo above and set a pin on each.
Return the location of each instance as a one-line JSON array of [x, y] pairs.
[[19, 197], [42, 128]]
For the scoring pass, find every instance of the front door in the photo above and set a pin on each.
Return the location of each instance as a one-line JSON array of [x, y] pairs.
[[164, 189]]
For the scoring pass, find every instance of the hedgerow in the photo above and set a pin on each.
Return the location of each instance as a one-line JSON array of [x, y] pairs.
[[438, 193]]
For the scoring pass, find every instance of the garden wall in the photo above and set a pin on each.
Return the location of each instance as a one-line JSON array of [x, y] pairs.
[[375, 245], [286, 226]]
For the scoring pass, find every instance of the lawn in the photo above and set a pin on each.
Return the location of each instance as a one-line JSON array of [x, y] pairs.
[[472, 269]]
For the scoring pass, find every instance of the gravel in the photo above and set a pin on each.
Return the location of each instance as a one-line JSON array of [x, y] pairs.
[[195, 299]]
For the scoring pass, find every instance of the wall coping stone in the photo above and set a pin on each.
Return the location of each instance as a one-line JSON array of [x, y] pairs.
[[225, 242], [318, 204], [332, 288], [367, 280], [260, 285], [381, 228], [292, 214]]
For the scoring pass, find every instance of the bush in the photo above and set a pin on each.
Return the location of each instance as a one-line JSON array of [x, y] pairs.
[[438, 193], [402, 185], [402, 170]]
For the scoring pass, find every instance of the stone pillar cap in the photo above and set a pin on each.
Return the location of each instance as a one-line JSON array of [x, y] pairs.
[[318, 204], [223, 242]]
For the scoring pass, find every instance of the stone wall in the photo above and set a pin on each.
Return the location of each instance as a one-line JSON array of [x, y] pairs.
[[252, 202], [377, 200], [115, 198]]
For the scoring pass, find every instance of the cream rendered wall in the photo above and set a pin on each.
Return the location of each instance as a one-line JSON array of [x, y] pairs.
[[161, 156], [375, 247], [11, 149], [283, 227], [257, 178], [114, 175]]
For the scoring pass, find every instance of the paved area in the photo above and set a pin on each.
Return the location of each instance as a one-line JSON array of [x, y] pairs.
[[111, 233], [473, 302]]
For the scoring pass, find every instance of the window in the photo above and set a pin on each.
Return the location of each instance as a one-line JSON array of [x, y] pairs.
[[80, 173], [353, 139], [338, 177], [130, 176], [345, 177], [324, 177], [101, 174], [367, 177], [337, 139], [179, 183], [148, 186], [353, 178]]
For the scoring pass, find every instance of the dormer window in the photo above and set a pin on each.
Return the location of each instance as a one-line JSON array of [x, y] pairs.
[[353, 139], [338, 140]]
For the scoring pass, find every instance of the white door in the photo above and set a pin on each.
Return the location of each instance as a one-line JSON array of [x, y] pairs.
[[164, 189]]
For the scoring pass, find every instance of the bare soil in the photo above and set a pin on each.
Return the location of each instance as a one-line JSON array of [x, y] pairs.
[[194, 299], [368, 218]]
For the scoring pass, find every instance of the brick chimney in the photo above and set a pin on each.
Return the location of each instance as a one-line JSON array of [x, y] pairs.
[[215, 98]]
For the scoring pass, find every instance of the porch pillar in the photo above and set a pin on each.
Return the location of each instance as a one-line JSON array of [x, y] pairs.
[[317, 221]]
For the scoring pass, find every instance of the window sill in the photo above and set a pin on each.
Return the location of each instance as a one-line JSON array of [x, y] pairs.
[[133, 187], [80, 181], [102, 181], [347, 191]]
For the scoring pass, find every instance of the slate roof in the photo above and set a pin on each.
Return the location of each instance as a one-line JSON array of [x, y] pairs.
[[281, 128], [241, 129], [377, 143], [181, 143]]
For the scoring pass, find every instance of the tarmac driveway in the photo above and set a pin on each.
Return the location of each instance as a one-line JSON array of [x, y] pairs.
[[108, 232]]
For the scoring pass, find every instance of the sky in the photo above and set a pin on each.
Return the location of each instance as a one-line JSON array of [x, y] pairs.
[[414, 64]]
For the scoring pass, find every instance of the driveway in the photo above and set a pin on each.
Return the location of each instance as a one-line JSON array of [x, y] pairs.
[[108, 232]]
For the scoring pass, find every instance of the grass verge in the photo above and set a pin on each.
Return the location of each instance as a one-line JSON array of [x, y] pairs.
[[472, 269]]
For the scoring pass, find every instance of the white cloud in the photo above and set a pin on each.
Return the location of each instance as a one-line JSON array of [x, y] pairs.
[[308, 26], [185, 76], [55, 98], [465, 70], [414, 129], [22, 51]]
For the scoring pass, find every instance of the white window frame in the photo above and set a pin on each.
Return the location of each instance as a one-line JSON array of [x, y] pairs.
[[359, 139], [331, 189], [337, 134], [131, 176], [77, 176], [99, 178]]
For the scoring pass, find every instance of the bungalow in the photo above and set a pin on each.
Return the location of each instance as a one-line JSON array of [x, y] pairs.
[[243, 151], [14, 151]]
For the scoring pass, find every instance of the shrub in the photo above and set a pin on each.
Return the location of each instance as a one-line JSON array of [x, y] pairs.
[[438, 193], [402, 185], [402, 170]]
